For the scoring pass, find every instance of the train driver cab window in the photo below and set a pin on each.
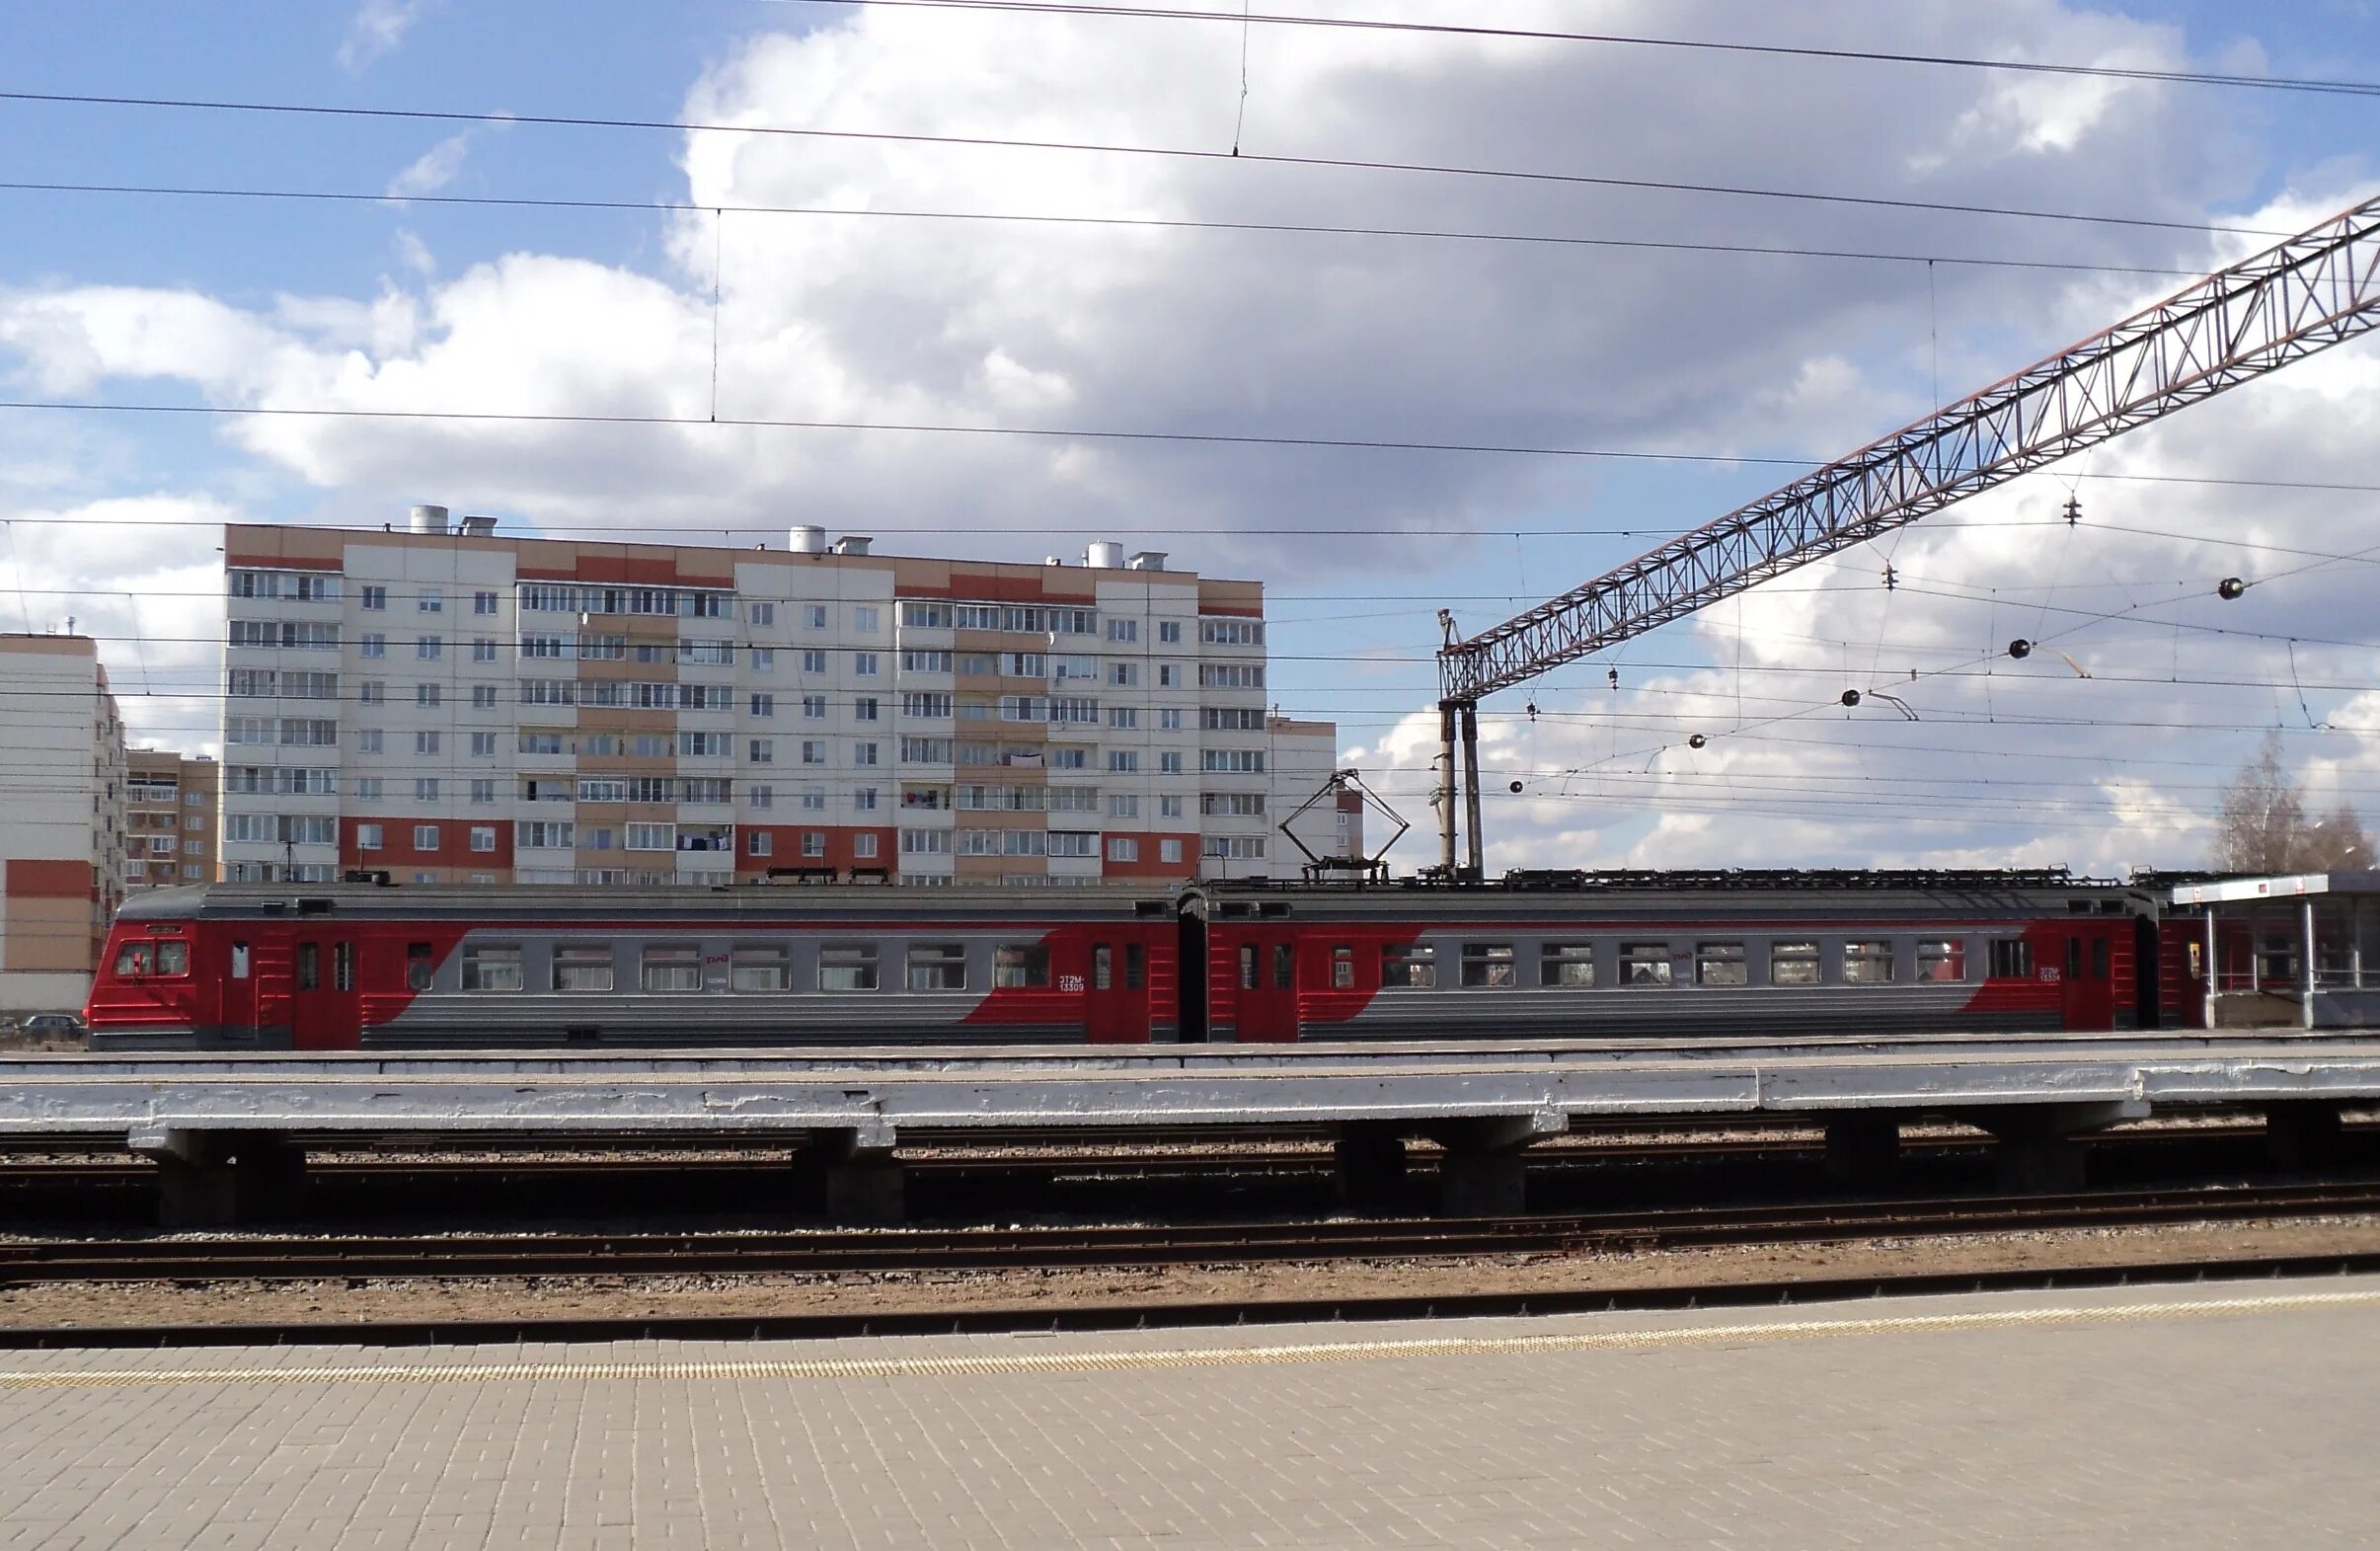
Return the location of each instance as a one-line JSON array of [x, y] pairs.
[[1942, 960], [583, 966], [172, 956], [759, 968], [1644, 964], [2012, 959], [676, 968], [239, 961], [1247, 967], [309, 966], [2098, 958], [1868, 964], [1284, 967], [418, 967], [1487, 964], [936, 967], [1718, 964], [1019, 966], [1793, 964], [1414, 968], [1342, 969], [1566, 963], [1136, 969], [492, 968], [847, 967]]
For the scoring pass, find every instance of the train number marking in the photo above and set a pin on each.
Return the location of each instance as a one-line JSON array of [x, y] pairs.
[[1071, 985]]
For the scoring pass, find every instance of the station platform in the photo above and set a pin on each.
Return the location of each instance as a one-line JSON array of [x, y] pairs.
[[224, 1127], [2224, 1414]]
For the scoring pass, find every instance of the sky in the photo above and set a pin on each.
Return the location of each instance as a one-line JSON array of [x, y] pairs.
[[993, 289]]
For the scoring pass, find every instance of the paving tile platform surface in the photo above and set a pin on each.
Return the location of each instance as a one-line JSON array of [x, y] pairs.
[[2235, 1413]]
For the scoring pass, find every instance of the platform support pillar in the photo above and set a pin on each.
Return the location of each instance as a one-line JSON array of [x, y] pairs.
[[1369, 1157], [854, 1175], [1863, 1150], [2302, 1134], [1485, 1171], [2038, 1154], [222, 1179]]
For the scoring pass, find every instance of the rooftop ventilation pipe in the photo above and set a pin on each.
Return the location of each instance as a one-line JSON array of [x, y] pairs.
[[807, 540], [1146, 560], [1106, 554], [429, 519], [853, 544]]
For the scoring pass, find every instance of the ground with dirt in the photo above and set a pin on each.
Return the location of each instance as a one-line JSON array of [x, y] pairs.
[[298, 1304]]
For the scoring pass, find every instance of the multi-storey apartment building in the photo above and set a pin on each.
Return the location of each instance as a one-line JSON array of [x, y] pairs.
[[449, 705], [170, 818], [61, 826]]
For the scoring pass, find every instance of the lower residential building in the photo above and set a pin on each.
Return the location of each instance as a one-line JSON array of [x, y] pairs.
[[169, 820], [61, 831]]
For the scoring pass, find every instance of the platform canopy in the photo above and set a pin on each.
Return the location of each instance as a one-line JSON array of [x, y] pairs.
[[2287, 885]]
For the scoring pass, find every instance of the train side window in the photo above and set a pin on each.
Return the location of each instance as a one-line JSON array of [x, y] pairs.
[[760, 969], [847, 967], [418, 967], [2098, 958], [1136, 966], [583, 966], [1793, 964], [1868, 964], [676, 967], [1413, 967], [1566, 963], [1342, 969], [1103, 966], [1487, 964], [936, 967], [1644, 964], [2074, 958], [309, 966], [1942, 960], [2012, 959], [1720, 964], [136, 959], [343, 967], [1284, 967], [492, 968], [239, 961], [1019, 966], [1247, 967]]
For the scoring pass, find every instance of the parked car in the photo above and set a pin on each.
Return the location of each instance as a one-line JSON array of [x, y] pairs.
[[62, 1026]]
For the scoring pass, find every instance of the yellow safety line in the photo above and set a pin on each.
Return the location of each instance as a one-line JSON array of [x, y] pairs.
[[1112, 1361]]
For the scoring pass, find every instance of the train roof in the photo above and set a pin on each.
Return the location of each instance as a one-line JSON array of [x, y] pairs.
[[1518, 895]]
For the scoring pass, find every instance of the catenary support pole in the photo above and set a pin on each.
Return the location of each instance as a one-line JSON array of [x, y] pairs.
[[1450, 792], [2210, 966], [1476, 847], [2305, 968]]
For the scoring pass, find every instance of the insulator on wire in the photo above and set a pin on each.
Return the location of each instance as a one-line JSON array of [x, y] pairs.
[[2230, 589], [1892, 576], [1516, 788], [2019, 648], [2074, 511], [1532, 709], [1851, 697], [1697, 742]]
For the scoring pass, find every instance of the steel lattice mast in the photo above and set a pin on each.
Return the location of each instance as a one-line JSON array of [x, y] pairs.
[[2309, 292]]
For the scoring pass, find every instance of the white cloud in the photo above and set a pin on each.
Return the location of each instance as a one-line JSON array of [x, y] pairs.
[[376, 28], [433, 169]]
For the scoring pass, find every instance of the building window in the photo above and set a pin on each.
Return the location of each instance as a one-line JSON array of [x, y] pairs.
[[1170, 764], [367, 837], [1168, 632], [426, 694], [483, 837], [482, 697], [864, 709], [814, 844], [760, 613], [430, 647], [430, 603], [864, 754], [866, 665], [425, 837], [814, 798], [426, 742], [483, 650], [483, 746], [482, 602], [760, 843], [813, 616], [1123, 848], [763, 750], [1169, 851], [483, 791], [1124, 630], [813, 751], [376, 599], [652, 838], [1124, 761], [813, 661], [425, 789], [764, 660], [764, 704], [373, 645], [863, 620], [863, 846], [761, 796]]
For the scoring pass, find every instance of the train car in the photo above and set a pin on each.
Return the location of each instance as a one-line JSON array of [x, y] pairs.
[[256, 967], [1621, 955]]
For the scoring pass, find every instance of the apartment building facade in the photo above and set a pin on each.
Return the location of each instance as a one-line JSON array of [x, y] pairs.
[[61, 829], [453, 705], [170, 818]]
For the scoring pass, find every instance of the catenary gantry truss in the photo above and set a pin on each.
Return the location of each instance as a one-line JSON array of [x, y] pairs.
[[2301, 296]]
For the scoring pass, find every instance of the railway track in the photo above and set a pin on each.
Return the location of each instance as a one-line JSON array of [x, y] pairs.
[[366, 1259]]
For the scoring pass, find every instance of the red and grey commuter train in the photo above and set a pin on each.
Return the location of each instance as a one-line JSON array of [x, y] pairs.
[[1587, 954]]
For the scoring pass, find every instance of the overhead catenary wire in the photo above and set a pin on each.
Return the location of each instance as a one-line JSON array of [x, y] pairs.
[[1085, 148]]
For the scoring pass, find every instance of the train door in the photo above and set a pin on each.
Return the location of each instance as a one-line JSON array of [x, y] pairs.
[[322, 994], [2089, 985], [1119, 992], [1267, 980]]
